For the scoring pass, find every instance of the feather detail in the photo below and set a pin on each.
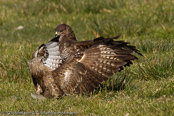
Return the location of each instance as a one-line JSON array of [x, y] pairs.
[[52, 56]]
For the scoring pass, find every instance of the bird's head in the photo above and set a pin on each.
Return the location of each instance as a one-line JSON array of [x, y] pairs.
[[63, 29]]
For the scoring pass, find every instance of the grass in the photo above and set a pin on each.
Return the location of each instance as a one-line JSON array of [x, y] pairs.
[[148, 88]]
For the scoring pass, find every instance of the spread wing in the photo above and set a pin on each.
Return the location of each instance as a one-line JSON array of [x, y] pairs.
[[52, 57], [83, 71], [49, 53]]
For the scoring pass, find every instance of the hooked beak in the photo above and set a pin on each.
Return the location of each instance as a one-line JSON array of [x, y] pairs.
[[57, 34]]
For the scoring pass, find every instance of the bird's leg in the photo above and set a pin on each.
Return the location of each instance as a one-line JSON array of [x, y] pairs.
[[37, 94], [38, 89]]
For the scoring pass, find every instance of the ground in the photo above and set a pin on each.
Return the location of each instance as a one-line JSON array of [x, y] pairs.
[[148, 88]]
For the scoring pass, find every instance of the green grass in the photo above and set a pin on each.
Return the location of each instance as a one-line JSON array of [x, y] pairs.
[[148, 88]]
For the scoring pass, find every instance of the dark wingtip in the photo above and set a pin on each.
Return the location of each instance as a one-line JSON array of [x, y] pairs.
[[98, 39], [40, 46], [55, 39], [140, 54], [116, 37], [135, 50]]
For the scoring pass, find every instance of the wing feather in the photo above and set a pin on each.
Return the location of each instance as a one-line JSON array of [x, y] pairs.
[[85, 70], [52, 56]]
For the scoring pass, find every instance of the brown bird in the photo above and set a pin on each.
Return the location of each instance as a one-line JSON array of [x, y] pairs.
[[66, 66], [68, 42]]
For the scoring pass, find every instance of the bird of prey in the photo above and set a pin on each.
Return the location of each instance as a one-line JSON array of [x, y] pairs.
[[65, 65]]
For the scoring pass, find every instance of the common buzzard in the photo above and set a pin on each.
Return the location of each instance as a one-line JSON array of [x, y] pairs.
[[65, 65]]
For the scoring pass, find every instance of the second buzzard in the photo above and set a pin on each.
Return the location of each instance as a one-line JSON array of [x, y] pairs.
[[65, 65]]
